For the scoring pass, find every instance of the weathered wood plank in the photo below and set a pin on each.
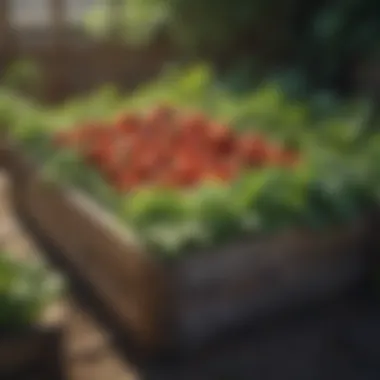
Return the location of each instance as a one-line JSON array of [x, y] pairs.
[[252, 279], [126, 277]]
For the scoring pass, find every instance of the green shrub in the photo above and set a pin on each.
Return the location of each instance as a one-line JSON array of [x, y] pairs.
[[25, 291]]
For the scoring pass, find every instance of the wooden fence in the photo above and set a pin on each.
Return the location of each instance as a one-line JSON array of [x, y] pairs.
[[71, 61]]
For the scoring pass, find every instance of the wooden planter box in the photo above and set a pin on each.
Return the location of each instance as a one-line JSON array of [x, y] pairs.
[[34, 354], [190, 301]]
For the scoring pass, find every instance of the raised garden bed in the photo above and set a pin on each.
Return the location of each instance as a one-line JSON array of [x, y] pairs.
[[30, 345], [257, 241], [181, 301]]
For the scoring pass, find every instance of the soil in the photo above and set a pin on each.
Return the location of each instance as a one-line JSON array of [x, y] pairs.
[[87, 354]]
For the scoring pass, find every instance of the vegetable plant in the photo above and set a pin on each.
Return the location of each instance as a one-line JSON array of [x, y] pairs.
[[25, 291], [186, 164]]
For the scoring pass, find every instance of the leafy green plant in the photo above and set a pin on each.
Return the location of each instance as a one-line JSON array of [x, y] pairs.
[[337, 181], [25, 291], [23, 76]]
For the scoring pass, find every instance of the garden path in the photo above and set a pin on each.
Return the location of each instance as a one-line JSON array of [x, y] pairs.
[[88, 356]]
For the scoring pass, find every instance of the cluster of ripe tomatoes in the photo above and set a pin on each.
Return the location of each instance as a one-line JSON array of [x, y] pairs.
[[170, 148]]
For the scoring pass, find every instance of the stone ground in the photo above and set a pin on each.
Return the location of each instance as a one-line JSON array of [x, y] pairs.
[[88, 356]]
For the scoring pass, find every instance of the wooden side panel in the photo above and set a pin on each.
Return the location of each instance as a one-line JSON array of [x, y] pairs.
[[129, 282], [252, 280]]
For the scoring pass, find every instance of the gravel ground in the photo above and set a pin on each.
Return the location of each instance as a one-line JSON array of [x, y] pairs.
[[87, 354]]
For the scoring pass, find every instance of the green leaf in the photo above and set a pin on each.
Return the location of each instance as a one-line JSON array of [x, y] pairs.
[[149, 206]]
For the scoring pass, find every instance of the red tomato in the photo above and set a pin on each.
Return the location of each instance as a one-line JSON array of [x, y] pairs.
[[142, 169], [154, 132], [160, 115], [221, 138], [128, 123], [186, 177], [171, 179], [194, 125], [186, 169], [252, 150], [223, 170], [171, 150]]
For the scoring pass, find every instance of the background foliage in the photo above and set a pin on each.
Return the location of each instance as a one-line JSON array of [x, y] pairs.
[[317, 44]]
